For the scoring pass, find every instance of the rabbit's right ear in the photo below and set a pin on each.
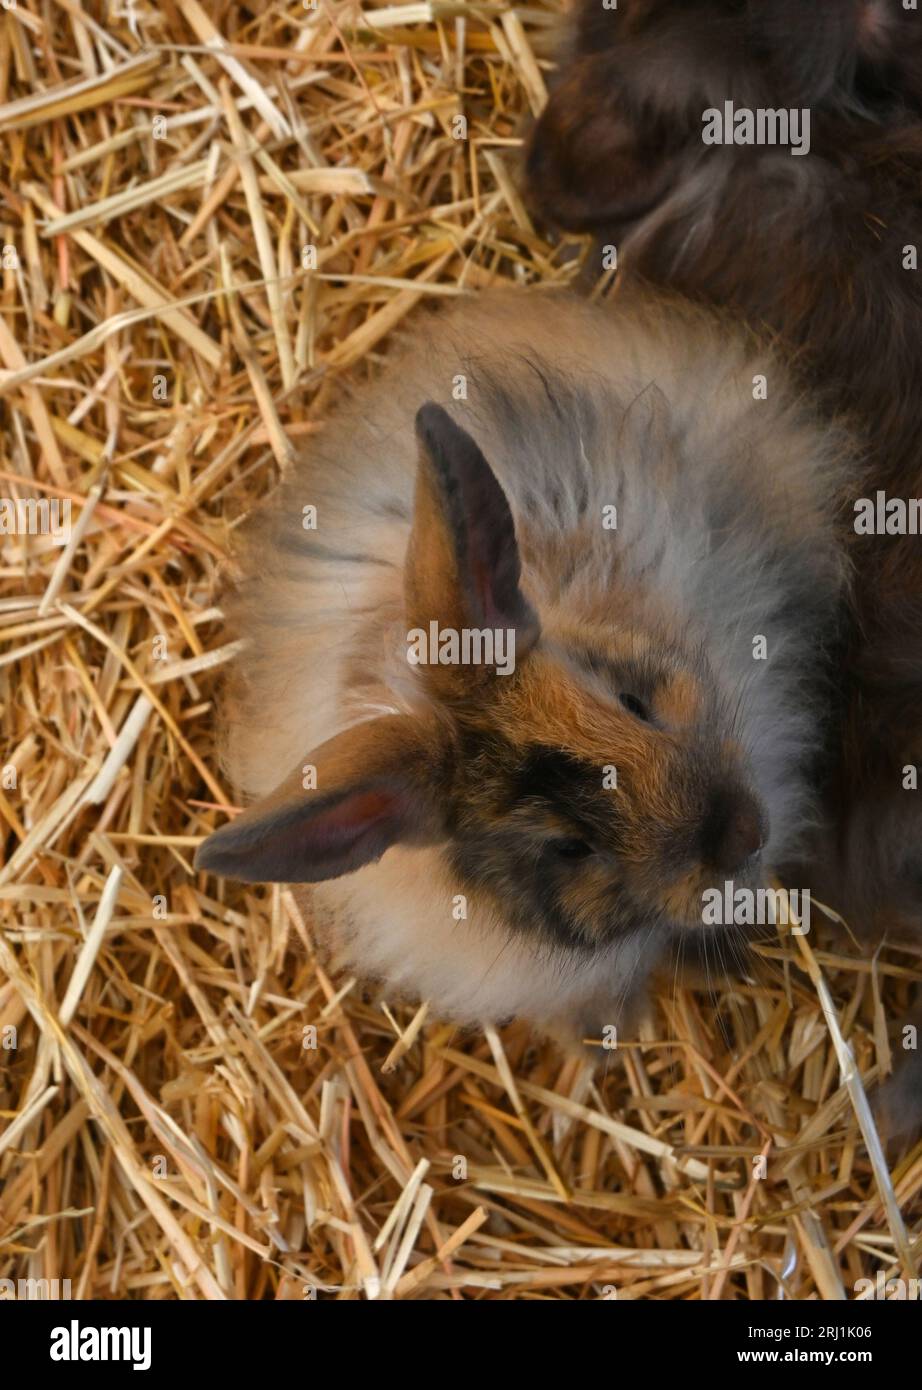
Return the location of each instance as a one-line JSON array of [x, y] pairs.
[[463, 567], [377, 784], [590, 163]]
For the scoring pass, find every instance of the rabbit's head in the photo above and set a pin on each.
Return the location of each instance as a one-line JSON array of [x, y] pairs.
[[587, 784], [628, 104]]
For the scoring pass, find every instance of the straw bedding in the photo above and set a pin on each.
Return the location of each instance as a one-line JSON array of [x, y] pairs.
[[191, 1106]]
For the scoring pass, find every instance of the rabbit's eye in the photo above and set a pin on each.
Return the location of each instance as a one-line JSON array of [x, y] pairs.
[[570, 849], [635, 706]]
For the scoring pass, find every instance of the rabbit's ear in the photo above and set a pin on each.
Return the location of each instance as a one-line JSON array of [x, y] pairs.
[[463, 566], [369, 788], [590, 163]]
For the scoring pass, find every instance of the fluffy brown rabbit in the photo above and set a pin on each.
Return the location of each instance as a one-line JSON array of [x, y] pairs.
[[532, 832], [819, 245]]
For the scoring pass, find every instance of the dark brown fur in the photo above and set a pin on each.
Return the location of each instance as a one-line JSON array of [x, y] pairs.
[[810, 247]]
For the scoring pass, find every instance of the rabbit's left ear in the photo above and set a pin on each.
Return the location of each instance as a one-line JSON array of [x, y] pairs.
[[463, 566], [369, 788]]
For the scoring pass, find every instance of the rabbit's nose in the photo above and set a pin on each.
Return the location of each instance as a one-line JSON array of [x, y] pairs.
[[735, 829]]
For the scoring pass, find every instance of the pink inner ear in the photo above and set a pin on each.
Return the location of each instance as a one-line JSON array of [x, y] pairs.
[[342, 825], [483, 588]]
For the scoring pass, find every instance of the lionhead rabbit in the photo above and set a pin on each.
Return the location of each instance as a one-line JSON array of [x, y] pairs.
[[822, 247], [599, 532]]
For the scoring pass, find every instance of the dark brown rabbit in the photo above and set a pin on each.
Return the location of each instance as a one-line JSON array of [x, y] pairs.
[[817, 245]]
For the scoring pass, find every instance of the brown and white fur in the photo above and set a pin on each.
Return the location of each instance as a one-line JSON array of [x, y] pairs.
[[466, 846]]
